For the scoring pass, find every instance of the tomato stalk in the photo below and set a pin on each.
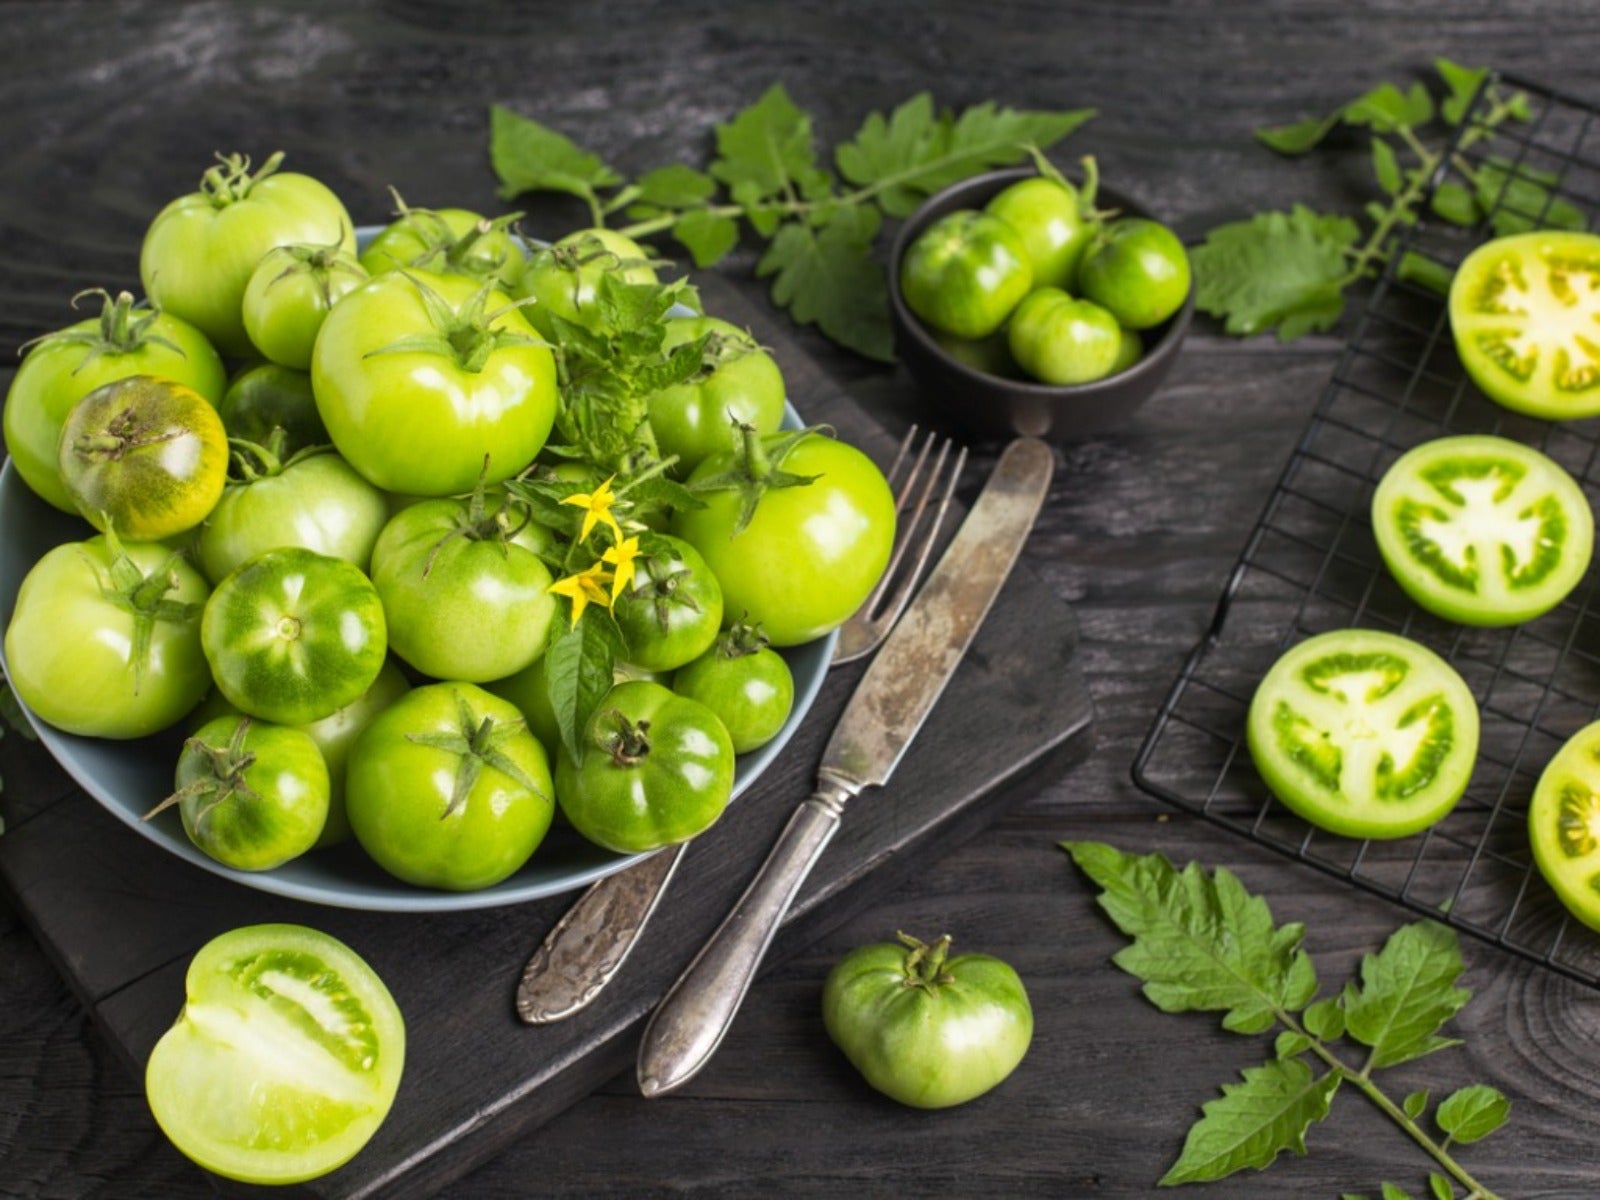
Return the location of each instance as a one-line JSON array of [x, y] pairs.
[[231, 180], [466, 335], [144, 598], [477, 744], [124, 328], [924, 965], [627, 742], [758, 466], [224, 778]]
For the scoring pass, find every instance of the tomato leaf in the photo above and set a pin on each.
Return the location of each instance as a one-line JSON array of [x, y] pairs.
[[1386, 166], [1473, 1113], [1406, 994], [1300, 137], [675, 186], [825, 275], [1324, 1019], [767, 149], [1386, 109], [707, 236], [1200, 941], [1440, 1186], [1462, 83], [579, 662], [1392, 1191], [1254, 1121], [1416, 1103], [1276, 270], [1519, 198], [528, 156]]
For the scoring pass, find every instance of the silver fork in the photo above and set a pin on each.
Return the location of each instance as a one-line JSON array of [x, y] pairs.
[[588, 946]]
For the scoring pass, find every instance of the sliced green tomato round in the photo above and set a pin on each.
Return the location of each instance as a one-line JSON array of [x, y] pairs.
[[284, 1060], [1564, 824], [1525, 311], [1482, 530], [1364, 733]]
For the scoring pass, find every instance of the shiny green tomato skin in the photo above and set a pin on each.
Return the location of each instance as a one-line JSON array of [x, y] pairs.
[[266, 396], [293, 636], [990, 355], [1525, 522], [422, 238], [147, 455], [197, 257], [56, 374], [280, 808], [965, 273], [399, 789], [70, 649], [1130, 349], [811, 554], [1523, 330], [1363, 733], [418, 422], [674, 790], [564, 280], [317, 503], [927, 1047], [1046, 215], [751, 694], [287, 299], [1059, 340], [1563, 817], [1137, 270], [284, 1059], [461, 608], [696, 419], [672, 610], [529, 690]]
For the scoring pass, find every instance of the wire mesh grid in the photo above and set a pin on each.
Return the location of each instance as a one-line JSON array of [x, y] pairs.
[[1311, 565]]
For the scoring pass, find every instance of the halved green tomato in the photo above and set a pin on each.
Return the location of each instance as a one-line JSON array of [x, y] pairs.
[[1364, 733], [284, 1060], [1564, 824], [1525, 311], [1482, 530]]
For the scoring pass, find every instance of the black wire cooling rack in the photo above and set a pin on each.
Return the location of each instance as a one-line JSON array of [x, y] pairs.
[[1311, 565]]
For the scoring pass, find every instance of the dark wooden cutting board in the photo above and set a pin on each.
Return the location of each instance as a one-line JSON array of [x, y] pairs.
[[121, 917]]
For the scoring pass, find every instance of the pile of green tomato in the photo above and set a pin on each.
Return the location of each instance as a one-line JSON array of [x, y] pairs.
[[312, 558], [1040, 285]]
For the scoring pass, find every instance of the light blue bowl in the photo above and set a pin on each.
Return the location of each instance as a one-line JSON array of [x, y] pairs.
[[129, 778]]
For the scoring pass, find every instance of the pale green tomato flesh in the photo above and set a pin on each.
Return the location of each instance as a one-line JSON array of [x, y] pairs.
[[1564, 825]]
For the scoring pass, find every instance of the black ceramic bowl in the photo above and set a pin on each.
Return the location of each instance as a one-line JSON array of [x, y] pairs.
[[988, 405]]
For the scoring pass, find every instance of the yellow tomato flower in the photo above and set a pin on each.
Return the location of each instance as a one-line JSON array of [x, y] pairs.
[[597, 509], [583, 589], [621, 556]]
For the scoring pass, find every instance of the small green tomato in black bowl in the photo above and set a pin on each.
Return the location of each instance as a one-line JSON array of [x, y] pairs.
[[1077, 351]]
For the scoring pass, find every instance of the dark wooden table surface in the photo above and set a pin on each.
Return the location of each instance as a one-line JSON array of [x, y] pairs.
[[112, 108]]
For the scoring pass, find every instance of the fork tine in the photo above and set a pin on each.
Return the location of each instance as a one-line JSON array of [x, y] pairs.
[[890, 612], [904, 489]]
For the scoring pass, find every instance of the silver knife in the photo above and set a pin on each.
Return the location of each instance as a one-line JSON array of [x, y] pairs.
[[883, 715]]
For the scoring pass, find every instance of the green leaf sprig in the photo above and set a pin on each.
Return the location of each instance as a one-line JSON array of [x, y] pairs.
[[1203, 943], [1289, 272], [820, 224]]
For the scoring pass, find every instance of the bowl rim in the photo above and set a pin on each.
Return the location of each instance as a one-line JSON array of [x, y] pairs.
[[1152, 361]]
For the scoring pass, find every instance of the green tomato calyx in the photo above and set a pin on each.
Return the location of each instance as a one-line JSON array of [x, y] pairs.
[[924, 964], [758, 466], [477, 743], [465, 335], [144, 597], [626, 741], [223, 780], [321, 263], [658, 584], [125, 328], [231, 181], [741, 639], [442, 250]]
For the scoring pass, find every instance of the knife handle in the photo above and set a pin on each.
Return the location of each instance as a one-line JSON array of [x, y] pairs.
[[689, 1024], [588, 946]]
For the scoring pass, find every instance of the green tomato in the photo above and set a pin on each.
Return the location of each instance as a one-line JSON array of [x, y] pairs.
[[1563, 822], [201, 249], [1523, 310], [748, 685], [252, 795], [991, 355], [1062, 341], [1364, 733], [422, 394], [925, 1029], [740, 385], [293, 636], [1137, 270], [965, 273], [671, 611], [1482, 530], [1130, 349], [529, 690], [317, 502], [288, 297], [811, 553], [449, 241], [147, 456], [654, 769], [1047, 216], [265, 397], [564, 277], [284, 1059], [105, 641], [64, 367], [446, 788], [464, 600]]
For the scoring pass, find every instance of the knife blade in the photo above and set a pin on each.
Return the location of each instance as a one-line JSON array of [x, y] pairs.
[[882, 717]]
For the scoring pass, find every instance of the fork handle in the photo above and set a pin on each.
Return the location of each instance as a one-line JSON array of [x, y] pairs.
[[689, 1024], [587, 947]]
